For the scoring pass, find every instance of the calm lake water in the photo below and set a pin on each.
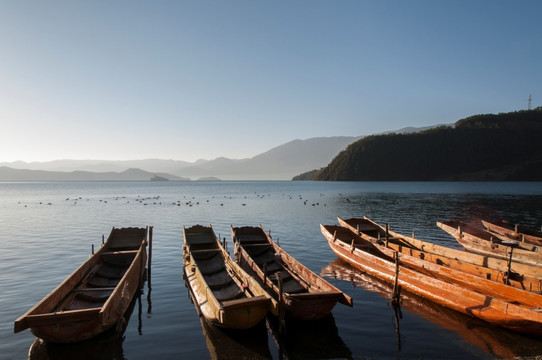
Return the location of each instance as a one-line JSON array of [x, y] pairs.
[[48, 229]]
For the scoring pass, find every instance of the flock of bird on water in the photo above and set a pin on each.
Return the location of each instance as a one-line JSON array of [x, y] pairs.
[[156, 200]]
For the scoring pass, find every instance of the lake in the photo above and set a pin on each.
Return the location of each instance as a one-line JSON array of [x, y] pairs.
[[48, 230]]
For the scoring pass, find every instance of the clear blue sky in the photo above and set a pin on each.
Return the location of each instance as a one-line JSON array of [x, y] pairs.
[[186, 80]]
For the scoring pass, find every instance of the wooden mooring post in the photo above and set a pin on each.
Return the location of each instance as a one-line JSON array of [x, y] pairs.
[[396, 296], [396, 301], [149, 261], [282, 324], [511, 245]]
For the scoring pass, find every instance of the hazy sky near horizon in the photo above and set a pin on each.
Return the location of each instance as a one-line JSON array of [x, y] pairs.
[[184, 80]]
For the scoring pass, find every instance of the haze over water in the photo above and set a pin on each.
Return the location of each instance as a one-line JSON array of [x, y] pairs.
[[48, 229]]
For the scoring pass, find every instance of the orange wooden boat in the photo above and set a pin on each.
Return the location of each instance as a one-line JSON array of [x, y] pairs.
[[493, 340], [474, 264], [513, 309], [94, 297], [306, 295], [509, 231], [482, 242]]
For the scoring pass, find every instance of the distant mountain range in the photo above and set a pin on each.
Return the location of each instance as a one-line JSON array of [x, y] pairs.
[[280, 163]]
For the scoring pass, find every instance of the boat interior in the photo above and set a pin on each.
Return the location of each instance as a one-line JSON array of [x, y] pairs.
[[263, 254], [210, 261]]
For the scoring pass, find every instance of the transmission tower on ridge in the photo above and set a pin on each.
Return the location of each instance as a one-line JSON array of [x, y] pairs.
[[529, 102]]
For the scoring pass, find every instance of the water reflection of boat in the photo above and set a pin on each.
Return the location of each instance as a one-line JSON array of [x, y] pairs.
[[107, 345], [493, 340], [309, 339], [225, 344]]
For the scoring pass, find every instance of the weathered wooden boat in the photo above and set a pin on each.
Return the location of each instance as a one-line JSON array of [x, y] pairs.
[[222, 291], [494, 340], [482, 242], [508, 231], [94, 297], [522, 276], [440, 267], [305, 295], [514, 309]]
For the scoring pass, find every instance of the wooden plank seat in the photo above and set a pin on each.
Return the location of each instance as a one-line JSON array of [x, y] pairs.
[[251, 239], [200, 241]]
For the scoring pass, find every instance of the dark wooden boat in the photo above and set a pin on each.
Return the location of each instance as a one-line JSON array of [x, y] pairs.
[[305, 295], [95, 296], [223, 292], [509, 231], [479, 265], [514, 309], [482, 242]]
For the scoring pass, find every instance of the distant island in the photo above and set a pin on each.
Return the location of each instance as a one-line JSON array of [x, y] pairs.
[[10, 174], [159, 178], [209, 178], [502, 147]]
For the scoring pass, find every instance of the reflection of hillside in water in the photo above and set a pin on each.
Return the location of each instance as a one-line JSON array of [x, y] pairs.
[[493, 340], [232, 344], [316, 339], [107, 346]]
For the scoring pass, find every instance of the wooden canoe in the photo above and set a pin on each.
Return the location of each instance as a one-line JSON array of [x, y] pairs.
[[441, 267], [482, 242], [515, 309], [509, 231], [496, 341], [94, 297], [522, 276], [223, 293], [306, 295]]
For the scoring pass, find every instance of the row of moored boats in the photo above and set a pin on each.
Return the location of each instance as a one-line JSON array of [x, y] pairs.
[[498, 279]]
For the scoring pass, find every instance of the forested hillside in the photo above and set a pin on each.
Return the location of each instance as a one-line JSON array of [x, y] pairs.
[[503, 147]]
